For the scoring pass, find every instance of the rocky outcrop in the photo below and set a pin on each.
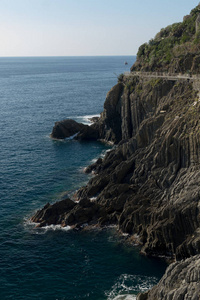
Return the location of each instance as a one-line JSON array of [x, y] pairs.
[[180, 281], [70, 128], [67, 213], [66, 128], [106, 128], [150, 184], [110, 121], [53, 214]]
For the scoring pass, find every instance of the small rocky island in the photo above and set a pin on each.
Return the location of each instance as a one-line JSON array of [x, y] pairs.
[[149, 184]]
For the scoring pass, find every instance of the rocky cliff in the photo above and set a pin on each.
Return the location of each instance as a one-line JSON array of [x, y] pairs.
[[149, 184], [181, 281]]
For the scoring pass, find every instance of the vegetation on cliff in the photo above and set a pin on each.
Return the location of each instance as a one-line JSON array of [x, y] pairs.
[[175, 48]]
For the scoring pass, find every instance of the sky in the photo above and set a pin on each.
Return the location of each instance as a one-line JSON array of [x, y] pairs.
[[84, 27]]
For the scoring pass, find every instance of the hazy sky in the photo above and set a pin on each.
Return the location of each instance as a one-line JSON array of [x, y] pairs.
[[84, 27]]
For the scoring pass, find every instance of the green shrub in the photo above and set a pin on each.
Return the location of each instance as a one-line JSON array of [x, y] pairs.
[[120, 77], [171, 43], [141, 50], [185, 38]]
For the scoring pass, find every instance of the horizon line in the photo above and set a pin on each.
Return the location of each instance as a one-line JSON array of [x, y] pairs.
[[18, 56]]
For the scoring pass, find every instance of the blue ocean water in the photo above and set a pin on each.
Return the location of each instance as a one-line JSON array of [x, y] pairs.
[[34, 169]]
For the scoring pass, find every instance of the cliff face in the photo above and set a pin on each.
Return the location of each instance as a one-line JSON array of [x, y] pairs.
[[149, 184]]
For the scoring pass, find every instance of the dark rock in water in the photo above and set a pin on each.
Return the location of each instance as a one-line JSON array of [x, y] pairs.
[[107, 127], [66, 128], [88, 133], [66, 212], [181, 281], [53, 214]]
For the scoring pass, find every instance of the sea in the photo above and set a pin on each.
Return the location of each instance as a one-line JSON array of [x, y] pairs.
[[54, 263]]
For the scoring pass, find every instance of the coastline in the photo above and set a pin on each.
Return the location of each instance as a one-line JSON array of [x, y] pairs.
[[149, 184], [36, 170], [100, 213]]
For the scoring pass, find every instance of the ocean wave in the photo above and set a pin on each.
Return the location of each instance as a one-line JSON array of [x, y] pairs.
[[56, 227], [32, 225], [94, 160], [102, 155], [125, 297], [86, 119], [127, 286]]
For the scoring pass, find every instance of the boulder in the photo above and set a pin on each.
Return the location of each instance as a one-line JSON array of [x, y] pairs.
[[66, 128], [53, 213], [70, 128]]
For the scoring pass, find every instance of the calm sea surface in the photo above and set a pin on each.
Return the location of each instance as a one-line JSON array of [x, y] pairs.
[[52, 263]]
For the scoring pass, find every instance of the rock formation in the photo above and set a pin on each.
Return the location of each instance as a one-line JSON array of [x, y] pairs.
[[181, 281], [69, 128], [149, 184]]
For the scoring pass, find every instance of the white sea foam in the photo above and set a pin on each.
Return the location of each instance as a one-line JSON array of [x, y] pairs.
[[125, 234], [94, 160], [125, 297], [33, 225], [56, 227], [93, 199], [28, 222], [85, 119], [102, 155], [127, 286], [71, 137], [107, 151]]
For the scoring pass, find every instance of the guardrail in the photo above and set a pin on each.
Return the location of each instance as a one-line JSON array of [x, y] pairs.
[[166, 75]]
